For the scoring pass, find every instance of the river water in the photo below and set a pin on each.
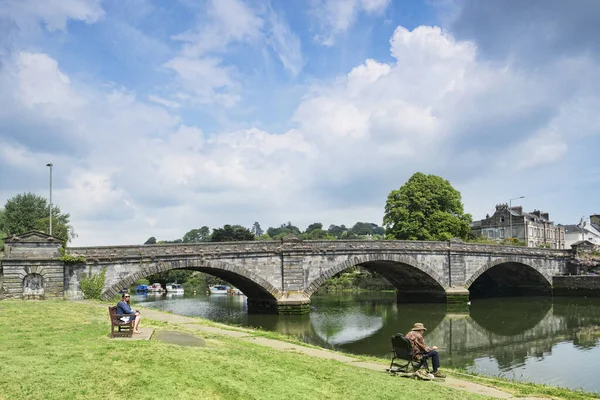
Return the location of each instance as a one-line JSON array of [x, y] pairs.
[[552, 341]]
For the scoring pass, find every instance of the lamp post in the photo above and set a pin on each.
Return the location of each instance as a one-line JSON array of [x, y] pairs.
[[510, 212], [50, 165]]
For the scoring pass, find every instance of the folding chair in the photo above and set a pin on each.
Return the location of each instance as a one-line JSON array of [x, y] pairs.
[[402, 350]]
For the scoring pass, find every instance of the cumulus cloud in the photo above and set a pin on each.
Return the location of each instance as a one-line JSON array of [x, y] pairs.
[[438, 107]]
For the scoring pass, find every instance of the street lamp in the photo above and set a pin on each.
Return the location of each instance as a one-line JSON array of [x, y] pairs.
[[50, 165], [510, 212]]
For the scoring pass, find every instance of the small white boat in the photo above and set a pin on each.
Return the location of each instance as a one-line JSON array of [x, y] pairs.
[[155, 288], [224, 289], [219, 289], [174, 288]]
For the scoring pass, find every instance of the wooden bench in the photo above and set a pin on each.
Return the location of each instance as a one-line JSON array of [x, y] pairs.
[[124, 329]]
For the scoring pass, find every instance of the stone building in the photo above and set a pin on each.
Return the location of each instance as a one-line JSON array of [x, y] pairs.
[[533, 228]]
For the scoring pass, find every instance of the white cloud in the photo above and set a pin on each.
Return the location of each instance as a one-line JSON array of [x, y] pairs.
[[284, 42], [53, 13], [228, 21], [203, 74], [43, 87], [436, 108], [544, 148], [334, 17], [205, 78]]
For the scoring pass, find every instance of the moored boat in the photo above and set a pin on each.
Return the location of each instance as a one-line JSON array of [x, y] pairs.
[[155, 287], [142, 288], [219, 289], [174, 288]]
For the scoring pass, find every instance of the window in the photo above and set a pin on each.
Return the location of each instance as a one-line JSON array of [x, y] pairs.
[[501, 233], [502, 219]]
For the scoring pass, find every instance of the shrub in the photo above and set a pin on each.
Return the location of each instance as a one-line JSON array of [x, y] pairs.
[[92, 285]]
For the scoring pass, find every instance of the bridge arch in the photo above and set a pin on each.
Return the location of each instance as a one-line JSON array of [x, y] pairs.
[[510, 273], [252, 285], [381, 264]]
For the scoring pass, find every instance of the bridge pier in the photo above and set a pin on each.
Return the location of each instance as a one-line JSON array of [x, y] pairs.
[[455, 297], [292, 304]]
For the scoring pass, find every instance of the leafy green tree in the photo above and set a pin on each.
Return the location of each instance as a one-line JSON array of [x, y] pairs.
[[314, 226], [283, 231], [197, 235], [426, 207], [256, 229], [2, 234], [230, 233], [176, 241], [336, 231], [29, 212], [317, 234], [151, 240]]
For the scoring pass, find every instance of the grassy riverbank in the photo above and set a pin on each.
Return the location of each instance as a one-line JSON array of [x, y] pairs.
[[61, 350]]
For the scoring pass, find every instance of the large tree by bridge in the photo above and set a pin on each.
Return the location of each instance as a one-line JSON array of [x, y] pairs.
[[426, 207], [30, 212]]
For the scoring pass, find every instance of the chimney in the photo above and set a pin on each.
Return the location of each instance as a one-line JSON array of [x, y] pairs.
[[545, 216], [595, 219], [518, 209], [537, 213]]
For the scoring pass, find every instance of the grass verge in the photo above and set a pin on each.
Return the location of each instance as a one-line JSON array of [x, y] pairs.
[[61, 350]]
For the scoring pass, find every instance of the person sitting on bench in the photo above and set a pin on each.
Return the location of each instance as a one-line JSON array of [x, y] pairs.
[[420, 350], [124, 308]]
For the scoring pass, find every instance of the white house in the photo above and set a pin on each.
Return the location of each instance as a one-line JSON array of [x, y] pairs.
[[586, 229]]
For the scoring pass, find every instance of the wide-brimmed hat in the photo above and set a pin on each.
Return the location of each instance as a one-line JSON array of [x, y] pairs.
[[418, 327]]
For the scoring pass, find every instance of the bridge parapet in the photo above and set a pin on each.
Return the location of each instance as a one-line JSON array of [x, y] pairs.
[[324, 246]]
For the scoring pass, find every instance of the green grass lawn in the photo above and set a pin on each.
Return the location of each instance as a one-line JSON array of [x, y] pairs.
[[61, 350]]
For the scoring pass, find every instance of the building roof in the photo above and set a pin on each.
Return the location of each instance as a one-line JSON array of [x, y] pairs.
[[572, 228], [584, 242], [32, 237]]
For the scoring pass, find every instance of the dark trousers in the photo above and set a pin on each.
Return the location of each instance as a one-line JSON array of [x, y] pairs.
[[435, 359]]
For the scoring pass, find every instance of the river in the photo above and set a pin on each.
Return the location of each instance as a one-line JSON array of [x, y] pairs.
[[531, 339]]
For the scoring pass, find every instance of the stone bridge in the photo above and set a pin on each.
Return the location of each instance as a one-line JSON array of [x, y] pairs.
[[280, 276]]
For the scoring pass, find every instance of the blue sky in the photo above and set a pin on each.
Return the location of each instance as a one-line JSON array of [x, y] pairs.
[[161, 116]]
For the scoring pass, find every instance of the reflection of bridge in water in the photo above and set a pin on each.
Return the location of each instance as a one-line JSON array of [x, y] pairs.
[[508, 330]]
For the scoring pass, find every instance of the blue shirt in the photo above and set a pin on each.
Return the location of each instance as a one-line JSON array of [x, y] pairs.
[[124, 308]]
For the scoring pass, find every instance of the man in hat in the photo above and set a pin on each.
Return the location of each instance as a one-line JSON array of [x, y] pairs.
[[420, 350]]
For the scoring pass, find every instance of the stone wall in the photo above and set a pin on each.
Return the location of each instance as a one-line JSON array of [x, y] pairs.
[[15, 271], [576, 285]]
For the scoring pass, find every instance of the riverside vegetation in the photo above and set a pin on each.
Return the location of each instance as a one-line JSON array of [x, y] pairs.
[[62, 350]]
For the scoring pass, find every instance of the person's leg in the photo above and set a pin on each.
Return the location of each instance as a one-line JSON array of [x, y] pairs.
[[435, 359], [136, 324]]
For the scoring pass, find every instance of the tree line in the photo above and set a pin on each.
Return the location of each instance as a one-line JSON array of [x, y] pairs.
[[314, 231], [426, 207]]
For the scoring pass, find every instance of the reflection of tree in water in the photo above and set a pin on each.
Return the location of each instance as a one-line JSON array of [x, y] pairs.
[[582, 316]]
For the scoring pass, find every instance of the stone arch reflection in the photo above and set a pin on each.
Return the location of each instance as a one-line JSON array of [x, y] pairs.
[[497, 316]]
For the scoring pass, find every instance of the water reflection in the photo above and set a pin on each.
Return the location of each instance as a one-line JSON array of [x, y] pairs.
[[531, 339]]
